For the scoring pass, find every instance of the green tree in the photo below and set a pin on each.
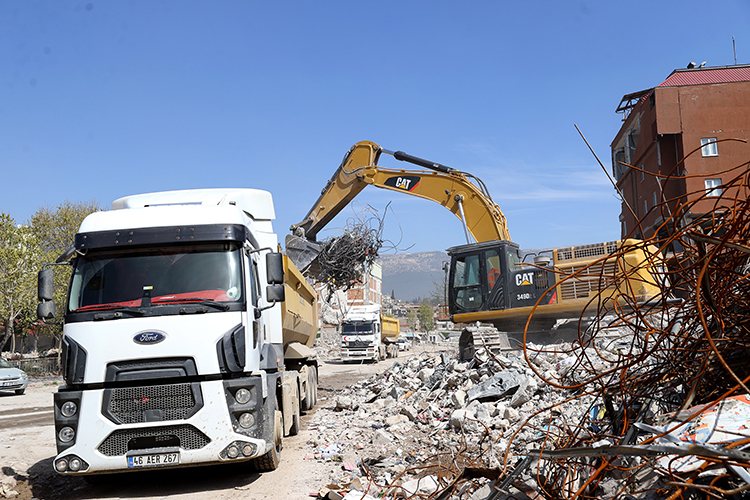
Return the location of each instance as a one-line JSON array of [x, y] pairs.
[[19, 261], [426, 315], [55, 229]]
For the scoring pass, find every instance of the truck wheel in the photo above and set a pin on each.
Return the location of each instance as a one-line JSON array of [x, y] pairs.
[[270, 461], [295, 427], [314, 390], [294, 430], [306, 403]]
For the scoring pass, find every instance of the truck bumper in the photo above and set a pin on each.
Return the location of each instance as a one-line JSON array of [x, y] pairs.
[[368, 353], [133, 428]]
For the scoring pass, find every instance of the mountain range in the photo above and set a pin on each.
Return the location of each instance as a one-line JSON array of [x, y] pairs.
[[411, 276]]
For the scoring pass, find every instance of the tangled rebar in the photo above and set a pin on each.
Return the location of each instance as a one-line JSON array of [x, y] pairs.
[[660, 387], [344, 258], [647, 366]]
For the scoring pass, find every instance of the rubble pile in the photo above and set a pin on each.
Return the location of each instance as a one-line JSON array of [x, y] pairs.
[[415, 428], [328, 344], [651, 401], [669, 376], [11, 480]]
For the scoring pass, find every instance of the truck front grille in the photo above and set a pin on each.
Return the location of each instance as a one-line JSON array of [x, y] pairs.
[[121, 441], [152, 403], [358, 344]]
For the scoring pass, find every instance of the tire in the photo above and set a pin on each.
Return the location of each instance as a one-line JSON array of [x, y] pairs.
[[314, 389], [270, 461], [20, 391], [294, 430], [307, 403]]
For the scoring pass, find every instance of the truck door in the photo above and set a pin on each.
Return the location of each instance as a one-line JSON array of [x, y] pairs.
[[256, 329]]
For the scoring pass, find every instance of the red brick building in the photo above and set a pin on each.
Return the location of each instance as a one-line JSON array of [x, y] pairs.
[[370, 291], [696, 110]]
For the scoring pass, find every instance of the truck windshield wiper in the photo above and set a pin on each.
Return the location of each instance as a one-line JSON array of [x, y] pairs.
[[193, 300], [118, 312]]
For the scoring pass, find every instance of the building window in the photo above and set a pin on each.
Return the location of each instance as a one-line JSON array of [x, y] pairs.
[[713, 187], [709, 146], [643, 173], [617, 167], [654, 198], [645, 207], [632, 144]]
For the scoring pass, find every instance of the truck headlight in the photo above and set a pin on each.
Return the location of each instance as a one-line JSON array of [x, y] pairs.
[[242, 396], [66, 434], [68, 409], [247, 420]]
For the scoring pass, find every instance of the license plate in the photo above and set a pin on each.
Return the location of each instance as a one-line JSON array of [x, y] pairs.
[[153, 460]]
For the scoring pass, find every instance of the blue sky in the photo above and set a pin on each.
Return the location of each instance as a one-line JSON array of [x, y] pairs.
[[101, 99]]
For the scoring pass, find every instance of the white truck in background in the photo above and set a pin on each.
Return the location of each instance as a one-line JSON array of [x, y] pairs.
[[175, 352], [368, 335]]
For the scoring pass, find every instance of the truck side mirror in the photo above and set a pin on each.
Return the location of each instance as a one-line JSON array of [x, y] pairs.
[[275, 269], [45, 284], [275, 293], [45, 310], [275, 276]]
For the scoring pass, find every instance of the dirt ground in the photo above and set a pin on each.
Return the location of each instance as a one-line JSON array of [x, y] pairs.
[[27, 444]]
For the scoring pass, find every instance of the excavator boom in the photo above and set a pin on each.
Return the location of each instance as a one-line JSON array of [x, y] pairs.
[[453, 189]]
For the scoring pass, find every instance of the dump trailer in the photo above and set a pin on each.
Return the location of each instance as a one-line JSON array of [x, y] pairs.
[[187, 336], [390, 333], [367, 335]]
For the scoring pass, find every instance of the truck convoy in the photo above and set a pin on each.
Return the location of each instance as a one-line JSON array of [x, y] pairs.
[[488, 280], [174, 354], [368, 335]]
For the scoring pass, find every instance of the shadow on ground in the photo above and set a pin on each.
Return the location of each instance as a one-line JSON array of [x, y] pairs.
[[45, 483]]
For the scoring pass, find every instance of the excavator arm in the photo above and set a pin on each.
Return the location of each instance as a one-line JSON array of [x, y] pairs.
[[488, 280], [453, 189]]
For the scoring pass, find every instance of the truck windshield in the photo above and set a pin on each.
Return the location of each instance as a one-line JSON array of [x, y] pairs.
[[356, 328], [111, 279]]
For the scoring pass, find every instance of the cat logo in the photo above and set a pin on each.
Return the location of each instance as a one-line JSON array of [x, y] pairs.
[[523, 279], [403, 182]]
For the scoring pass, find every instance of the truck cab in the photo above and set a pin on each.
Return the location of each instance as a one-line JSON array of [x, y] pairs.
[[360, 334], [174, 344]]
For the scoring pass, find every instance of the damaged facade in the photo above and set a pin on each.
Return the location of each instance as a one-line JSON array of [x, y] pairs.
[[678, 143]]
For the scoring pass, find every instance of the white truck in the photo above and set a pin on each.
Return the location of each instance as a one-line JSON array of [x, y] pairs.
[[174, 354], [367, 335]]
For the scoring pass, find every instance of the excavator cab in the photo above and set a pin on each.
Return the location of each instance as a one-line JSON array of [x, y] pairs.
[[490, 276]]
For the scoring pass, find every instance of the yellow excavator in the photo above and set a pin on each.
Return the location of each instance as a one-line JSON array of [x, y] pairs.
[[488, 280]]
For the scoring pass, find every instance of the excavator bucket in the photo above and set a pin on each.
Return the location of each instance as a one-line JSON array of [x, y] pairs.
[[303, 252]]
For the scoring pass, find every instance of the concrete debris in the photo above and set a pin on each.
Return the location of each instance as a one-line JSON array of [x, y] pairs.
[[423, 485], [7, 486], [429, 418], [431, 404]]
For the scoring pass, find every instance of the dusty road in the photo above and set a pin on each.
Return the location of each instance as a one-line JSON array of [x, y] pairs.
[[27, 443]]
